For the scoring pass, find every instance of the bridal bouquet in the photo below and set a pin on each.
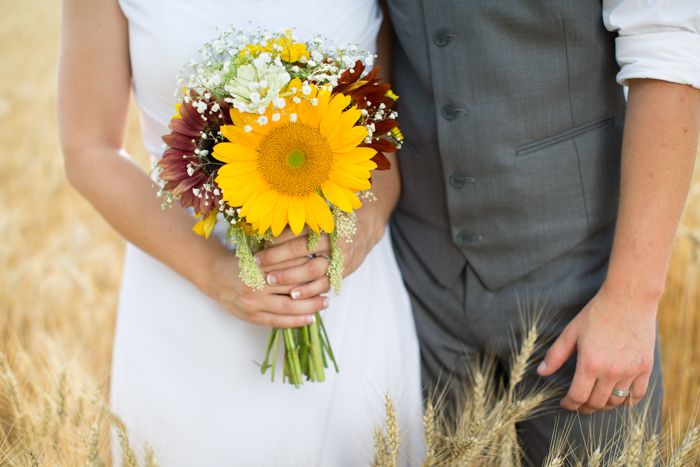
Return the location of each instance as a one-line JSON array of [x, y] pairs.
[[271, 133]]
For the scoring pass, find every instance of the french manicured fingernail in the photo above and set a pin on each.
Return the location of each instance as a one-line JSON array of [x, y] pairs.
[[295, 294], [257, 260], [311, 319], [271, 280], [542, 367], [325, 303]]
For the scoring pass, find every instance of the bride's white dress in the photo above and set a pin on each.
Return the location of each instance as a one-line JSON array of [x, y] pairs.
[[184, 377]]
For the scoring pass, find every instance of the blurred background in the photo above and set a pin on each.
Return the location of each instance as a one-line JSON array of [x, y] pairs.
[[60, 265]]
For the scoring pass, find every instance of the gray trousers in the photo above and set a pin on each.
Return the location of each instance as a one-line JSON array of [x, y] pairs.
[[465, 320]]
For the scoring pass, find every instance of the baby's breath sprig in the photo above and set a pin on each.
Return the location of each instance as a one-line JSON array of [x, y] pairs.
[[250, 272], [313, 240], [337, 264]]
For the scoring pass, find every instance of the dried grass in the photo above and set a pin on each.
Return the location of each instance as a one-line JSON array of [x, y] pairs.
[[484, 435], [60, 266]]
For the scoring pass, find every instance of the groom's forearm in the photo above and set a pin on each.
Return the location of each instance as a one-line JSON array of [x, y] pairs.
[[659, 149]]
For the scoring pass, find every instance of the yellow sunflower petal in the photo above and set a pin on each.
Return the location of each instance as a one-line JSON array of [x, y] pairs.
[[330, 120], [237, 134], [349, 118], [322, 213], [297, 215], [313, 116], [231, 152], [266, 222], [254, 210], [279, 222], [349, 139], [310, 217], [350, 181], [336, 196], [354, 201]]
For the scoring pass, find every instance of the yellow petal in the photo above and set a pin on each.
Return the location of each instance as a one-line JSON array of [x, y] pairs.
[[231, 152], [329, 120], [349, 118], [237, 134], [310, 214], [348, 140], [322, 213], [297, 215], [256, 209], [357, 155], [206, 226], [279, 221], [348, 181], [336, 196]]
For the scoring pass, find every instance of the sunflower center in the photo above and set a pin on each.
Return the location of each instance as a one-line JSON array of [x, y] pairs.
[[295, 159]]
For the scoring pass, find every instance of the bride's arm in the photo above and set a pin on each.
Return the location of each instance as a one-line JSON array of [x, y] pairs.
[[93, 92]]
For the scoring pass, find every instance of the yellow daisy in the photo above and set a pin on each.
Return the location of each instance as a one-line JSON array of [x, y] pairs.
[[285, 167]]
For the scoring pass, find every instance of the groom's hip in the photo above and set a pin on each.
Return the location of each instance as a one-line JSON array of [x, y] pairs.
[[463, 316]]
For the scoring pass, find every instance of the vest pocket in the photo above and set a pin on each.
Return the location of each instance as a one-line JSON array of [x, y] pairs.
[[571, 133]]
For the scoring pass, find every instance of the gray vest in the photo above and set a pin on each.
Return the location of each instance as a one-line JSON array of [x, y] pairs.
[[513, 126]]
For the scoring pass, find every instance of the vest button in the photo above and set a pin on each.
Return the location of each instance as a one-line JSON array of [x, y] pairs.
[[450, 113], [458, 180], [468, 238], [442, 37]]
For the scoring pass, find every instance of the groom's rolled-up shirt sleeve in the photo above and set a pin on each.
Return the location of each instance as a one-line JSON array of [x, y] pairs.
[[656, 39]]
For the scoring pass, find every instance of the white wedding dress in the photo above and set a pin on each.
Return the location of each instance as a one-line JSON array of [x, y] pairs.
[[184, 373]]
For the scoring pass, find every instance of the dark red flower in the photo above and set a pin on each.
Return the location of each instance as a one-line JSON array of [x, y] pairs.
[[187, 167], [373, 96]]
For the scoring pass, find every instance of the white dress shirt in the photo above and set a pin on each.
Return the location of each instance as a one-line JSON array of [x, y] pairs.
[[657, 39]]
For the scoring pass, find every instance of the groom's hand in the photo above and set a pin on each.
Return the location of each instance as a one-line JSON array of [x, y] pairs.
[[614, 337]]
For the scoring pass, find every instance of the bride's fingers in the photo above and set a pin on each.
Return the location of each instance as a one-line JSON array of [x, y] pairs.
[[278, 321], [312, 289], [310, 271], [289, 250], [284, 305], [287, 235], [285, 264]]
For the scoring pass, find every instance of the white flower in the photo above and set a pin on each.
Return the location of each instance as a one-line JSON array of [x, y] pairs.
[[276, 117], [317, 56], [262, 120], [279, 103], [293, 117], [247, 128]]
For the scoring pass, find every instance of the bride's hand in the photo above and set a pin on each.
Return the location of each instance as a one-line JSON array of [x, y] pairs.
[[272, 306], [287, 263]]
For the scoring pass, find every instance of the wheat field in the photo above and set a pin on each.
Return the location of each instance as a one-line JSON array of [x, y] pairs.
[[60, 267]]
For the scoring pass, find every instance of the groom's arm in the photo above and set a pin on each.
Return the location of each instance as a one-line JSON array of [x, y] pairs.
[[614, 334], [658, 50]]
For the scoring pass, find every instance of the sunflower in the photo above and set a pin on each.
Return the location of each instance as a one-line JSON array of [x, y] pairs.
[[285, 167]]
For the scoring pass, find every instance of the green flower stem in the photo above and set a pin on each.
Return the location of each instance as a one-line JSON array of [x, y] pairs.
[[316, 351], [275, 346], [270, 343], [293, 356], [327, 342], [304, 349]]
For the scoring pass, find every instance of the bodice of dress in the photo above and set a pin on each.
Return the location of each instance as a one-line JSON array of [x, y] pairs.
[[165, 35]]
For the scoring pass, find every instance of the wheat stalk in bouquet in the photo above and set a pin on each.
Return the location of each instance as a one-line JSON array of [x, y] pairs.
[[274, 133]]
